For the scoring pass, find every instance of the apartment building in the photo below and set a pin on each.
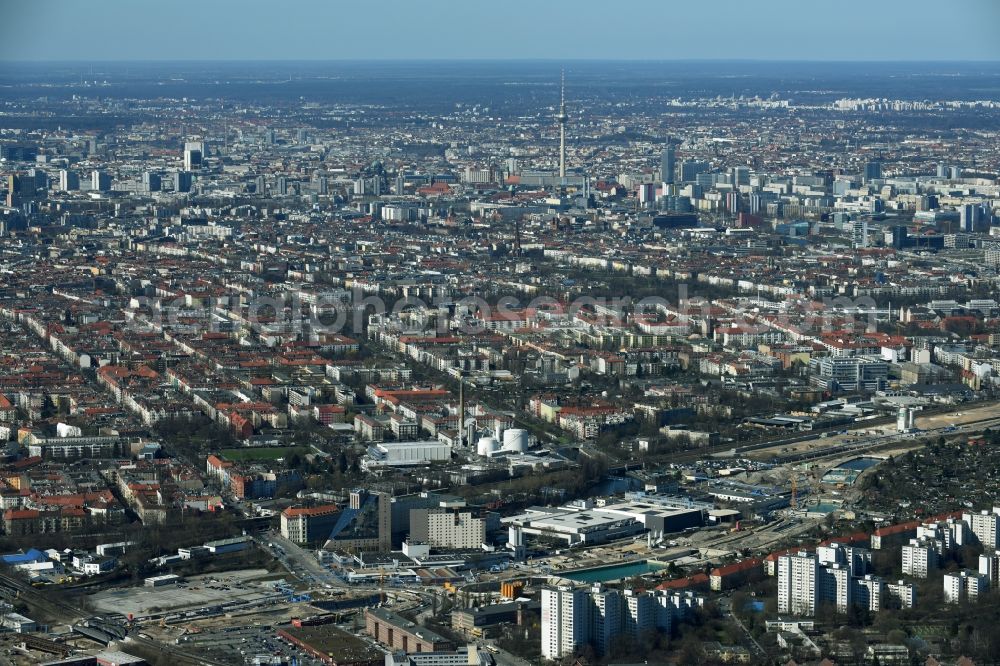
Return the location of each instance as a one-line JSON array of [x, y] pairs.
[[575, 615], [606, 620], [798, 583], [837, 577], [983, 526], [250, 480], [858, 560], [989, 566], [965, 585], [453, 529], [835, 586], [368, 428], [900, 595], [565, 620], [640, 613], [869, 592], [920, 557], [307, 524]]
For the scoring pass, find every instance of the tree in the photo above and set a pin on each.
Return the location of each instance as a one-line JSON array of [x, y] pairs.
[[739, 603], [858, 616], [691, 650], [897, 636]]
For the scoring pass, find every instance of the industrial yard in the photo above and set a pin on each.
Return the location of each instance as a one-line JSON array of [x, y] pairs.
[[196, 594]]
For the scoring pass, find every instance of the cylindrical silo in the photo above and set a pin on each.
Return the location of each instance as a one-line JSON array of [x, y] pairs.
[[487, 446], [903, 419], [515, 439]]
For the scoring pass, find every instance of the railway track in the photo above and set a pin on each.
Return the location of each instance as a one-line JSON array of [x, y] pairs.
[[969, 428], [60, 608]]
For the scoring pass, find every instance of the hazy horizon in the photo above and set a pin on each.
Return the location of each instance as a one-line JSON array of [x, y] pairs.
[[312, 30], [154, 61]]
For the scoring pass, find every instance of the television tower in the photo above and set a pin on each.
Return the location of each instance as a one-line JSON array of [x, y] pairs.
[[561, 118], [461, 410]]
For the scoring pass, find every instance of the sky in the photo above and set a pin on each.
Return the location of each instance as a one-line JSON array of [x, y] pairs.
[[131, 30]]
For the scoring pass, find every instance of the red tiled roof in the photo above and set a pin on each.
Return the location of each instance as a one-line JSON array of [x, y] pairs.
[[737, 567], [21, 514], [293, 512], [682, 583]]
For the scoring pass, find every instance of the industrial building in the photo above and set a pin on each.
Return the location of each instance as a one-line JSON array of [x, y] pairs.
[[463, 656], [658, 519], [582, 523], [333, 646], [160, 581], [398, 633], [513, 441], [483, 621], [232, 545], [402, 454], [575, 526]]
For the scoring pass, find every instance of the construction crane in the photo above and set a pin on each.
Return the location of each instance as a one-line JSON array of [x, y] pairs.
[[815, 484]]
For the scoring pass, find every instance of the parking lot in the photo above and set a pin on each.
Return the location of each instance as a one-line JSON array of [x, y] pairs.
[[253, 645], [257, 642]]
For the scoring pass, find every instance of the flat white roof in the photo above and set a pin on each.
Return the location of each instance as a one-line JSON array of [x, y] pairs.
[[637, 509], [575, 521]]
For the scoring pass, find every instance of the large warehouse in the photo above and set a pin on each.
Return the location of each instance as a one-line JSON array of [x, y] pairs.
[[400, 454], [575, 526], [657, 518], [580, 522]]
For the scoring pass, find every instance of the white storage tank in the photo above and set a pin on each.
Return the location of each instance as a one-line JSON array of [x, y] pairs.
[[906, 419], [515, 439], [903, 419], [487, 446]]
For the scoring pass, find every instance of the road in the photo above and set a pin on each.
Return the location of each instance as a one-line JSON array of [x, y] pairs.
[[726, 606], [300, 562], [504, 658]]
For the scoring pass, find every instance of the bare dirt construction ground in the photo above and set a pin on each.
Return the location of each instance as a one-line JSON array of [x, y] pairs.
[[194, 592]]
